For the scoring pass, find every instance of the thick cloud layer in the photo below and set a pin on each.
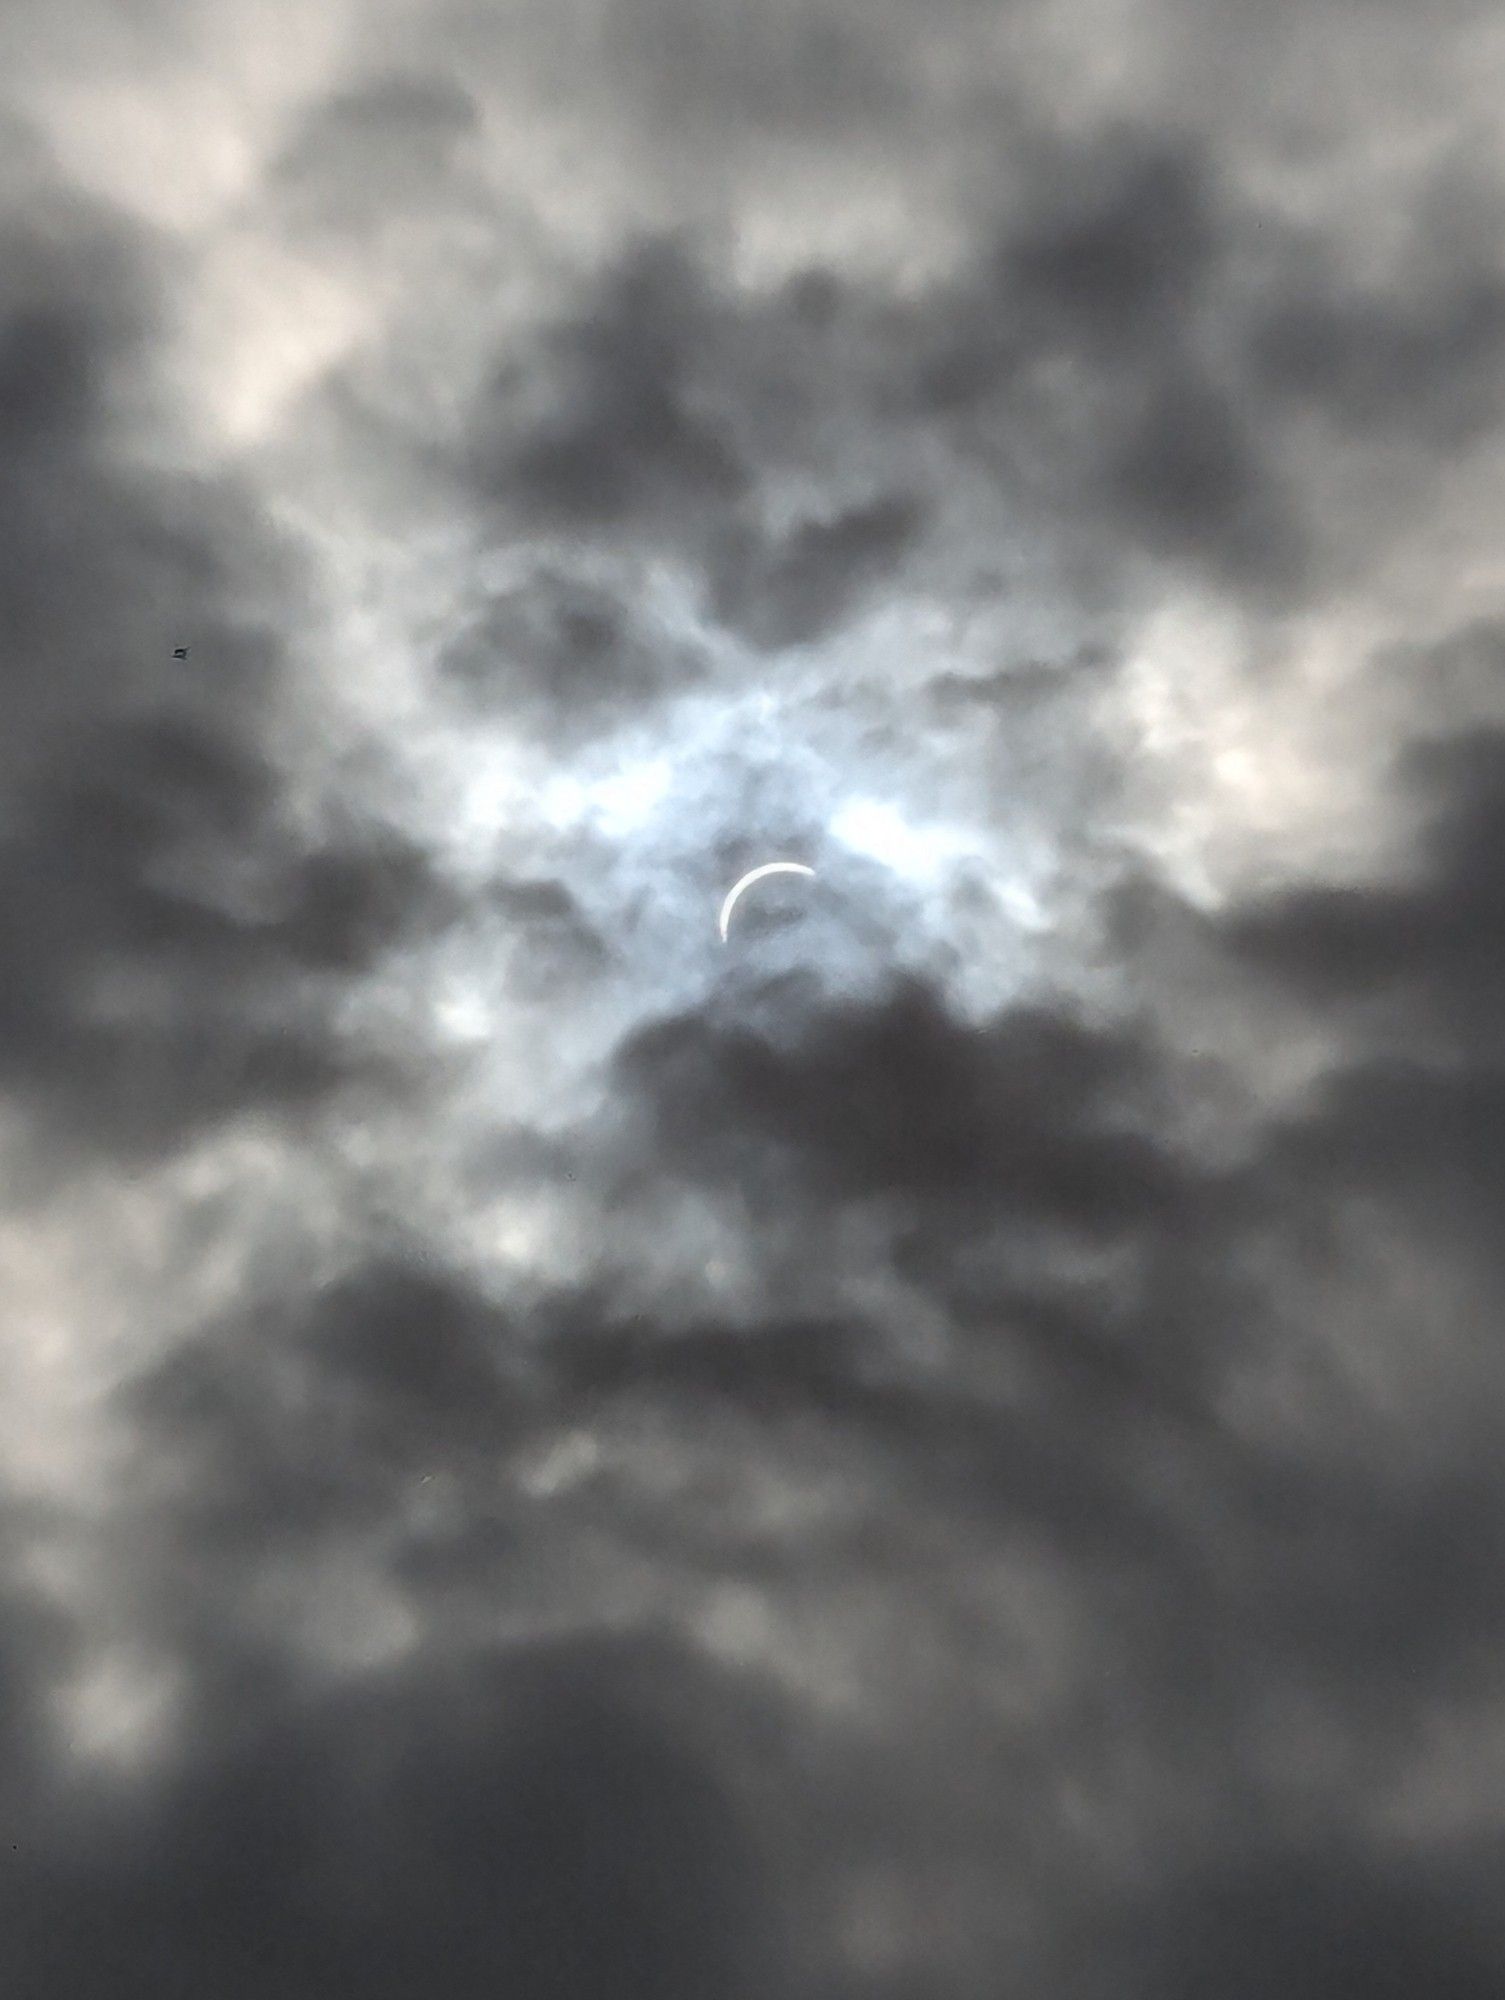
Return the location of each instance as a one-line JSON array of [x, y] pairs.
[[951, 1443]]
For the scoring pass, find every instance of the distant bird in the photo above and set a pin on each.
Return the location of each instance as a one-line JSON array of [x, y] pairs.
[[180, 652]]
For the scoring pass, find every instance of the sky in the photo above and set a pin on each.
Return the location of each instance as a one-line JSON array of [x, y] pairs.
[[952, 1445]]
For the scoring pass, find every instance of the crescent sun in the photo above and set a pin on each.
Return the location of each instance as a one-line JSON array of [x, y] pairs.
[[756, 875]]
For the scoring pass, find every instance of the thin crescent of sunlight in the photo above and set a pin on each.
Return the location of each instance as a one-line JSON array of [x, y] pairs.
[[756, 875]]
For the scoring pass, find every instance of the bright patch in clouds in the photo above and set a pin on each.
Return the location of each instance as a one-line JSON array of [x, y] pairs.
[[616, 805], [880, 831]]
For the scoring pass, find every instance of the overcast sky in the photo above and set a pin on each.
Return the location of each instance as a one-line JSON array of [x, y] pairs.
[[952, 1446]]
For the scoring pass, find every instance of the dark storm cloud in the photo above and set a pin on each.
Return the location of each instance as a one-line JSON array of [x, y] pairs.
[[1114, 263], [979, 1143], [151, 988], [1414, 968], [1435, 943], [1033, 1121], [1050, 1466], [306, 1412], [1421, 1139], [1372, 1581], [1353, 1585], [1188, 473], [622, 440], [141, 1006], [1115, 249], [1197, 320], [1130, 347], [34, 1650], [565, 655], [1418, 1115], [1071, 359], [541, 1821], [1315, 1917], [898, 1098], [1423, 359], [790, 591]]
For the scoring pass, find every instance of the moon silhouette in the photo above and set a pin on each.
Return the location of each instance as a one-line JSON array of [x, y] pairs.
[[756, 875]]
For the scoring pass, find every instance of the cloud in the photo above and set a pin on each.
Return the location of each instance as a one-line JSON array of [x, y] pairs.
[[565, 656], [620, 437], [802, 585], [143, 1005], [540, 1817], [165, 925], [301, 1413], [1434, 940], [1420, 357], [366, 152], [898, 1098], [1315, 1918], [952, 1443]]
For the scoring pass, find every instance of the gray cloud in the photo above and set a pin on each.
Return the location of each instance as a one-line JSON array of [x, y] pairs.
[[1435, 939], [564, 656], [620, 437], [368, 152], [789, 593], [897, 1098], [494, 1777]]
